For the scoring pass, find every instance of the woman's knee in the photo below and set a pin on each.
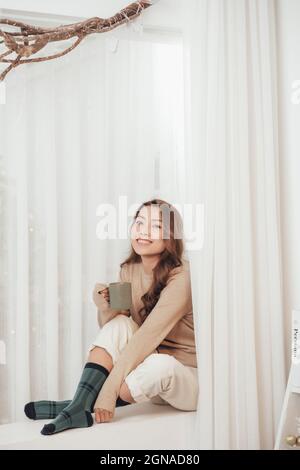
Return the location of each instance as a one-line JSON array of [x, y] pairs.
[[162, 364], [122, 319], [115, 334]]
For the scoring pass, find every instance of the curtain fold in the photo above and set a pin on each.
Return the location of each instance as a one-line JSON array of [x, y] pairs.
[[232, 159], [76, 134]]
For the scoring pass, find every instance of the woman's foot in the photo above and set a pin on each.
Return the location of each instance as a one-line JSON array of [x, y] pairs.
[[69, 418], [46, 409]]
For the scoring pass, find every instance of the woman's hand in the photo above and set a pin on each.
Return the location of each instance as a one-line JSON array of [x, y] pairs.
[[98, 297], [103, 416], [102, 291], [105, 293]]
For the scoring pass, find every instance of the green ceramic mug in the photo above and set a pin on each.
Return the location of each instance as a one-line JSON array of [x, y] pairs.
[[120, 297]]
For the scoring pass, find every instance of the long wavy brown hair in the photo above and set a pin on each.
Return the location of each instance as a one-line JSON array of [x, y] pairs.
[[170, 258]]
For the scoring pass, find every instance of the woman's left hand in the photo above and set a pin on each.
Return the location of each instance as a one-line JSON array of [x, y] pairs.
[[103, 416]]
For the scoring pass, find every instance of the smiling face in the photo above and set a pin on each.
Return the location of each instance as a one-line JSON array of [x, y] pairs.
[[147, 232]]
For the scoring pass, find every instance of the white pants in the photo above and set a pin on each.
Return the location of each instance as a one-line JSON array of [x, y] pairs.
[[160, 378]]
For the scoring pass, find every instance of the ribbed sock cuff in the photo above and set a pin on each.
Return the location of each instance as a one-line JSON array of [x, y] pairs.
[[93, 365]]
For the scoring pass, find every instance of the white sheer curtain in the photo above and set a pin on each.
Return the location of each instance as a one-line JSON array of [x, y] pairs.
[[232, 157], [95, 125], [75, 133]]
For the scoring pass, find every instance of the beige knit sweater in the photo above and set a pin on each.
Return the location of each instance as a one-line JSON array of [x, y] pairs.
[[168, 329]]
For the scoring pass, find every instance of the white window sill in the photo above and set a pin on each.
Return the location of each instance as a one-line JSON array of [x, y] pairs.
[[139, 426]]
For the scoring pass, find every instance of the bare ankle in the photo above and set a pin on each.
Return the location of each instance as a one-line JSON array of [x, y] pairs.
[[100, 356]]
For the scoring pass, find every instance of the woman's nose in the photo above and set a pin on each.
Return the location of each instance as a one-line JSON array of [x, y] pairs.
[[143, 233]]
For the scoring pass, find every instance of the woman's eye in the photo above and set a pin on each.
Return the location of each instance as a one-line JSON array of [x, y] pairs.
[[139, 222]]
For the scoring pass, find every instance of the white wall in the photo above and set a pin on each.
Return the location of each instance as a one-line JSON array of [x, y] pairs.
[[67, 7], [160, 11], [288, 17]]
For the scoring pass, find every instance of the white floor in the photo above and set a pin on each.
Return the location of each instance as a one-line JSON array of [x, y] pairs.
[[138, 426]]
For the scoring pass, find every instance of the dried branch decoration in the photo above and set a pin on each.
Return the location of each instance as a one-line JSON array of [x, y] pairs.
[[28, 39]]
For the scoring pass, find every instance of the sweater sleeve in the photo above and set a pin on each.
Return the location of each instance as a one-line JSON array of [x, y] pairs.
[[104, 312], [174, 302]]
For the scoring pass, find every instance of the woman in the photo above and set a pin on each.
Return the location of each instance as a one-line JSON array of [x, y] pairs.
[[147, 353]]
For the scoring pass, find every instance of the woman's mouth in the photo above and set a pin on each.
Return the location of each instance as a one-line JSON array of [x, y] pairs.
[[143, 241]]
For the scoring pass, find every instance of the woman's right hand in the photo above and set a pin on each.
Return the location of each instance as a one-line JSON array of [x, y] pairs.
[[104, 293], [100, 293]]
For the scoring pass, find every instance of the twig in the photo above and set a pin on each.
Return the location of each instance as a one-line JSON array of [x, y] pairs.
[[32, 39]]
